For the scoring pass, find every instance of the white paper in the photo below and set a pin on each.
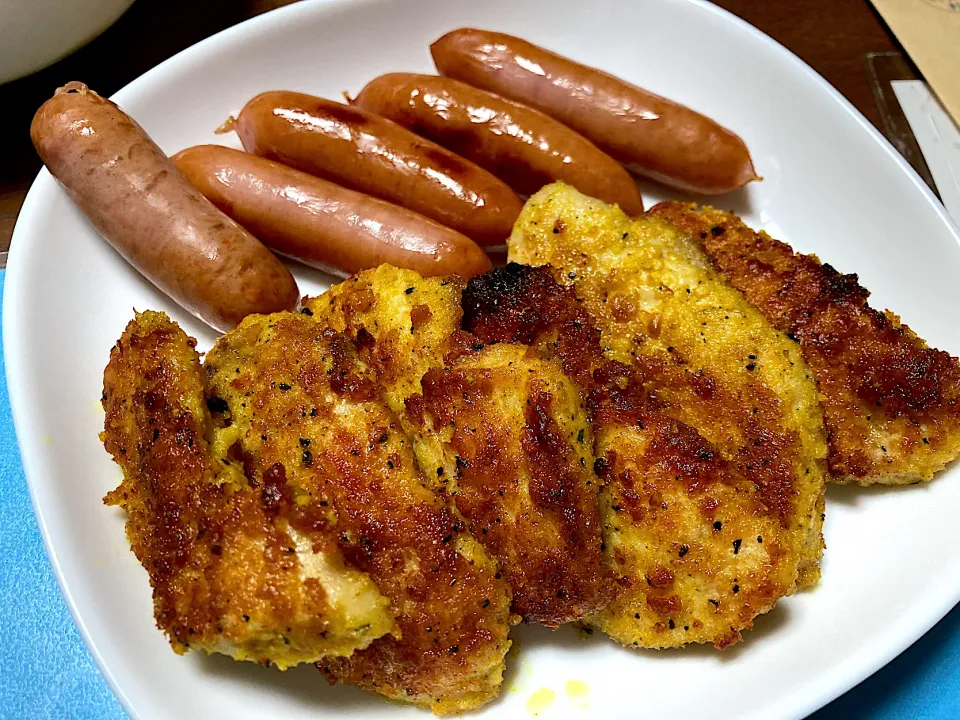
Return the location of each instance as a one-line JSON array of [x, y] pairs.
[[937, 136]]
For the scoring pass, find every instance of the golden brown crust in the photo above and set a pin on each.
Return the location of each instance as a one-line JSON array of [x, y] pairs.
[[703, 555], [268, 527], [515, 456], [709, 358], [890, 402], [502, 448], [307, 421], [697, 550], [223, 575]]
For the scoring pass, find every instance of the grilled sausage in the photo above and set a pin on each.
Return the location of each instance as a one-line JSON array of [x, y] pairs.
[[649, 134], [522, 146], [136, 199], [372, 155], [322, 224]]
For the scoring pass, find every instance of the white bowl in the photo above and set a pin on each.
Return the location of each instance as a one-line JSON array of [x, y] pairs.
[[37, 33]]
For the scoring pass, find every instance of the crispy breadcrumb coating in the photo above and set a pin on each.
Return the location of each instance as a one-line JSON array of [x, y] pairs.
[[891, 404]]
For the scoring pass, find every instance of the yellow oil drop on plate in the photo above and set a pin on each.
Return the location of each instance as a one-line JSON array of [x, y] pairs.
[[540, 700], [578, 692]]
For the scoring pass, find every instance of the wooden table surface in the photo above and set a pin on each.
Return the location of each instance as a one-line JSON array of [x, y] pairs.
[[833, 36]]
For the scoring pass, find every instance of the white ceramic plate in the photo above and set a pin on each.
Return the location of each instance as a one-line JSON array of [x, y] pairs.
[[832, 186]]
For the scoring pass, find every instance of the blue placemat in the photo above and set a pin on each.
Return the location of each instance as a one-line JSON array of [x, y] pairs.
[[46, 672], [45, 669]]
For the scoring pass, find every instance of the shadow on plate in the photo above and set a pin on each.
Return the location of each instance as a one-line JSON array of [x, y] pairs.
[[304, 683], [312, 275], [768, 625], [738, 202], [571, 640], [854, 495]]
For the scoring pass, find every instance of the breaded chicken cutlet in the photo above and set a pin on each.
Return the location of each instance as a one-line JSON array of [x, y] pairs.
[[500, 431], [347, 465], [891, 404], [664, 486], [228, 575], [709, 358], [300, 495]]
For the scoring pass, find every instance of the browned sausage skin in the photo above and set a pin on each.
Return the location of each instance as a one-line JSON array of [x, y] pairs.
[[520, 145], [372, 155], [651, 135], [136, 198], [322, 224]]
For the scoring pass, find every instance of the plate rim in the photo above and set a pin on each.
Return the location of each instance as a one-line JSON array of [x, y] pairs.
[[853, 670]]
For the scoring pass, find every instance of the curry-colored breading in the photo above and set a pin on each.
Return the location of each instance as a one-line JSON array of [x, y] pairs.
[[711, 358], [891, 404], [499, 432], [228, 575], [510, 432], [405, 324], [687, 576], [303, 416]]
